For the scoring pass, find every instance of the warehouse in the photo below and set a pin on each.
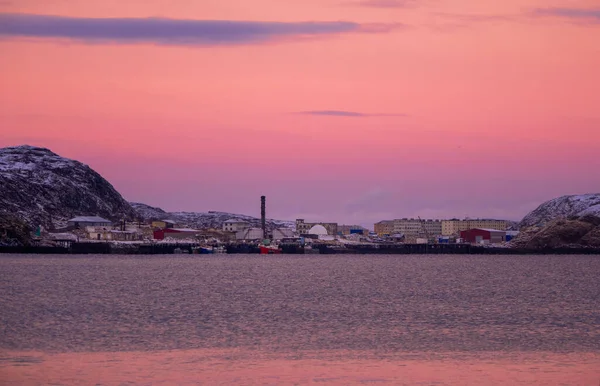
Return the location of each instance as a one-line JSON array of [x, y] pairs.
[[483, 236]]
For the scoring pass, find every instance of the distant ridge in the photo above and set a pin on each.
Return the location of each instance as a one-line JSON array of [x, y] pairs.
[[212, 219]]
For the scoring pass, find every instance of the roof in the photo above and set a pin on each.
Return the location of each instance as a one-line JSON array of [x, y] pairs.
[[318, 230], [489, 230], [232, 221], [89, 219], [181, 230], [168, 221]]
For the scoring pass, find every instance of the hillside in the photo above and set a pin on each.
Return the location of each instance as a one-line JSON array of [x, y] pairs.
[[577, 232], [40, 187], [201, 220], [562, 208]]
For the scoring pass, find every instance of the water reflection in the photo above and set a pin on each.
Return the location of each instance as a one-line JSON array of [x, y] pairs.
[[337, 319]]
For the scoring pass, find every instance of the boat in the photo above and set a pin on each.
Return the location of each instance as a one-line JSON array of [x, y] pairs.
[[269, 250]]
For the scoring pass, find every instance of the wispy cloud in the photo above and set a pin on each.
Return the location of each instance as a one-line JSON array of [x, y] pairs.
[[382, 3], [592, 14], [171, 31], [341, 113], [474, 18], [454, 21]]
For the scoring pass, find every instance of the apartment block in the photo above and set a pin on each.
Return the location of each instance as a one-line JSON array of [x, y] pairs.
[[412, 227], [385, 227]]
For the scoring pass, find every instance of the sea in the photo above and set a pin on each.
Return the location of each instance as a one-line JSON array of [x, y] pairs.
[[295, 320]]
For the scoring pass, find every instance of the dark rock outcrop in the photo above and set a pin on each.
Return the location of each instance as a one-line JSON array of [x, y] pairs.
[[13, 231], [574, 232]]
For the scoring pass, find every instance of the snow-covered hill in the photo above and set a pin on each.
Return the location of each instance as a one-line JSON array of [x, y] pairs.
[[563, 207], [200, 220], [41, 187]]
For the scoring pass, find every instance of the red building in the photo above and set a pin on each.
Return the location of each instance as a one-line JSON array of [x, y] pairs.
[[479, 236]]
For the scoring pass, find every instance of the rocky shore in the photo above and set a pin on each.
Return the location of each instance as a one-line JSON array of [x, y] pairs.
[[572, 232]]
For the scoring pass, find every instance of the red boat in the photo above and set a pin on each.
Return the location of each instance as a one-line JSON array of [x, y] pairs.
[[269, 250]]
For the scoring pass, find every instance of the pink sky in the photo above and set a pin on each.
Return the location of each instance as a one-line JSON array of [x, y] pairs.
[[429, 108]]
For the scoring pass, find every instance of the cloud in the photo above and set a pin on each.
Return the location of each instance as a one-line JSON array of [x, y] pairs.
[[172, 31], [353, 114], [474, 18], [383, 3], [571, 13]]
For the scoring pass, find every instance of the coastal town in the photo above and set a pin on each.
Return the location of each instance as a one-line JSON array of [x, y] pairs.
[[239, 235]]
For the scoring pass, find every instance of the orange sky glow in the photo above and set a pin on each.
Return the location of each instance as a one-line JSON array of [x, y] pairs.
[[375, 110]]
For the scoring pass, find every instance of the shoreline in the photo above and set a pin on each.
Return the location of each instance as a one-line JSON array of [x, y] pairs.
[[180, 249]]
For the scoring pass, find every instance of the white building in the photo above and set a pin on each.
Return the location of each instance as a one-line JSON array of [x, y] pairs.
[[249, 234], [235, 225], [282, 233]]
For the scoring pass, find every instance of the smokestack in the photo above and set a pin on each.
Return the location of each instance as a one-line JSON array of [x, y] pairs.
[[263, 219]]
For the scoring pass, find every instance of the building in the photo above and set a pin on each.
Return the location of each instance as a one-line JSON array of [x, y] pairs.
[[351, 230], [454, 227], [417, 228], [303, 227], [483, 236], [98, 233], [282, 233], [385, 227], [89, 221], [235, 225], [249, 234], [163, 224], [125, 235], [176, 233]]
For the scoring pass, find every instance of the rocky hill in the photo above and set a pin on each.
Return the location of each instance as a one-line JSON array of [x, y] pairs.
[[149, 213], [201, 220], [562, 208], [578, 232], [40, 187]]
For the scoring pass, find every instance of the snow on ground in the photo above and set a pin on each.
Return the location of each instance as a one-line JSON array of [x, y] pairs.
[[562, 207]]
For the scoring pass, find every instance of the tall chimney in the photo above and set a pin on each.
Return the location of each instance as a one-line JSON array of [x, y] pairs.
[[263, 219]]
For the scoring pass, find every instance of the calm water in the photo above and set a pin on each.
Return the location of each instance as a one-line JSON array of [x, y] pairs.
[[340, 308]]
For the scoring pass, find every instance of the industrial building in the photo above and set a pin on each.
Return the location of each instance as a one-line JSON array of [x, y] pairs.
[[303, 227], [282, 233], [351, 230], [483, 236], [176, 233], [249, 234], [454, 227]]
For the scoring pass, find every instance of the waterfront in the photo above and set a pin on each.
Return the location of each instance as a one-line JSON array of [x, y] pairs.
[[285, 319]]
